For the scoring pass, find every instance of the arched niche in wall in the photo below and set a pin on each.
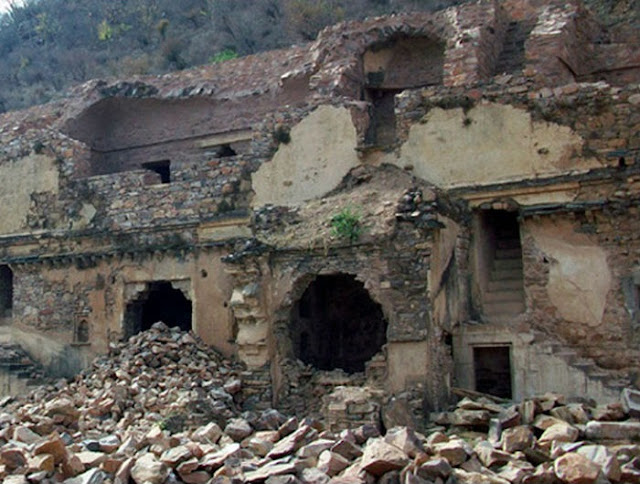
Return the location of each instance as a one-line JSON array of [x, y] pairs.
[[404, 62], [392, 66], [158, 301], [336, 324]]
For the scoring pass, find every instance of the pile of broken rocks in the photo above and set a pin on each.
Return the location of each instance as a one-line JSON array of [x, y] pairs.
[[164, 408]]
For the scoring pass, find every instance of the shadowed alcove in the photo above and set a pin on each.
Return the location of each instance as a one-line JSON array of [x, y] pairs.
[[160, 302], [336, 324]]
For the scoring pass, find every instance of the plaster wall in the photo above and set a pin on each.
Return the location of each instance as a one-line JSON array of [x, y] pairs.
[[407, 364], [321, 152], [579, 275], [490, 143], [22, 178]]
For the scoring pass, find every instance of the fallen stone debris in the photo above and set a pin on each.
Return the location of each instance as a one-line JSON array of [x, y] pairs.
[[165, 408]]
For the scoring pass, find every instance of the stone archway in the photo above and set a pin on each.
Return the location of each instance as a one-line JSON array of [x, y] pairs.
[[336, 324], [157, 301]]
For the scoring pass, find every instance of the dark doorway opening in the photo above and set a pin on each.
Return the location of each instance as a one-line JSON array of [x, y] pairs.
[[382, 127], [81, 332], [162, 168], [336, 324], [160, 302], [492, 365], [499, 264], [6, 291]]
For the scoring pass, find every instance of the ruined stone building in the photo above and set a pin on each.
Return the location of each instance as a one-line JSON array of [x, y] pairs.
[[491, 152]]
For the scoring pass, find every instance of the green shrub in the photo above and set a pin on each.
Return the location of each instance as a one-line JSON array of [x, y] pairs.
[[223, 55], [347, 224]]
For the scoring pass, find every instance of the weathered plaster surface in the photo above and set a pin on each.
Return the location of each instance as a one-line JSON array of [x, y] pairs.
[[22, 177], [407, 364], [579, 276], [490, 143], [441, 258], [319, 155]]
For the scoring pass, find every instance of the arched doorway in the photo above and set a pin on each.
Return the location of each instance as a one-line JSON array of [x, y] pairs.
[[160, 302], [336, 324]]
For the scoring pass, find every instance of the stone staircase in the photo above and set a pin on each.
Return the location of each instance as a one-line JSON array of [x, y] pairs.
[[504, 295], [18, 371], [581, 374]]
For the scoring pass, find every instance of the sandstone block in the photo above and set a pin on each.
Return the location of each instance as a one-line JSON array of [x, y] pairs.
[[380, 457], [53, 445], [489, 456], [26, 435], [560, 432], [172, 457], [331, 463], [573, 468], [149, 470], [405, 439], [209, 434], [613, 430], [600, 455], [517, 438], [455, 451], [93, 476], [433, 469], [238, 429], [13, 458]]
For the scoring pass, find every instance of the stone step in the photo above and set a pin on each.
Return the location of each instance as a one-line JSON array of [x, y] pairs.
[[567, 355], [504, 296], [585, 364], [508, 243], [504, 308], [502, 264], [515, 253], [505, 274], [505, 285]]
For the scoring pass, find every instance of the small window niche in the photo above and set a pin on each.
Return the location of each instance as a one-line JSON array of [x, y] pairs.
[[161, 168], [492, 369], [81, 331], [382, 126], [225, 151]]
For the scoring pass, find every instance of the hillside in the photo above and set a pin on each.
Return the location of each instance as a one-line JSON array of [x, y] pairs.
[[46, 46]]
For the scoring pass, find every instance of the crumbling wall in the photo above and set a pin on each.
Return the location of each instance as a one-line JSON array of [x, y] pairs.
[[25, 179], [576, 290], [318, 153], [51, 300]]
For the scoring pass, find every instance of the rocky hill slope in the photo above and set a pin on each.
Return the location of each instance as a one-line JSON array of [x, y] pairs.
[[48, 46]]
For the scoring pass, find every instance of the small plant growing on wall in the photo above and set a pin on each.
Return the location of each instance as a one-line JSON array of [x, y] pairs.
[[347, 224]]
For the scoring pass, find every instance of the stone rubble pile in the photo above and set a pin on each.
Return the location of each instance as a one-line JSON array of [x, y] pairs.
[[164, 408]]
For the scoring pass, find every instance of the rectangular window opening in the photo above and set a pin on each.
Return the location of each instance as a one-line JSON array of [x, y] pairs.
[[162, 168], [6, 291], [382, 126], [492, 367]]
